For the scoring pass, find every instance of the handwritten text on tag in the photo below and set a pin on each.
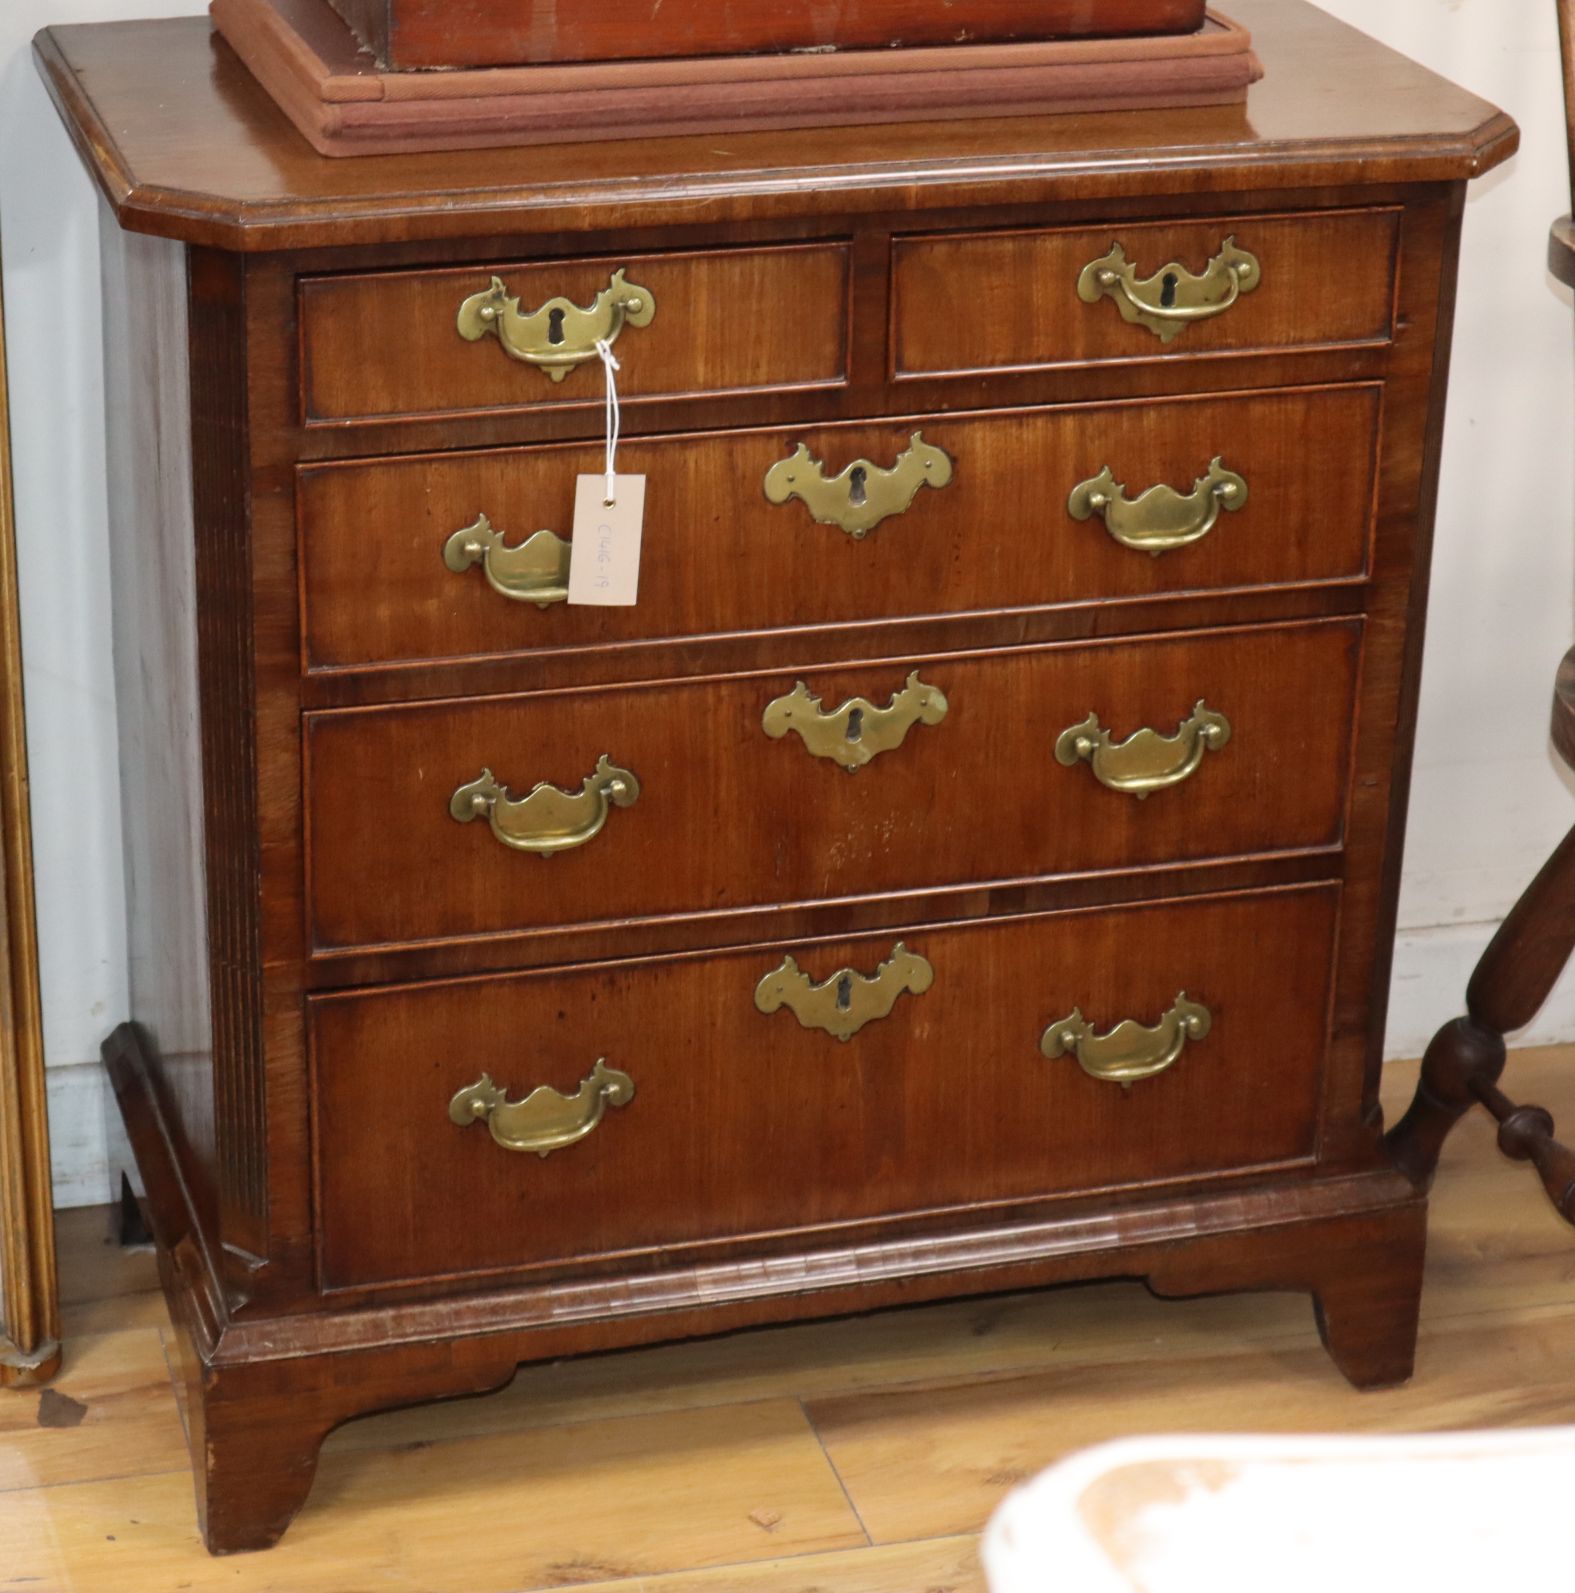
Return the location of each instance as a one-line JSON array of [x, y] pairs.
[[604, 567]]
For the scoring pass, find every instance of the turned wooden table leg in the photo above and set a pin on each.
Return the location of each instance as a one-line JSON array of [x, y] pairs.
[[1459, 1054], [1462, 1066], [1525, 1134]]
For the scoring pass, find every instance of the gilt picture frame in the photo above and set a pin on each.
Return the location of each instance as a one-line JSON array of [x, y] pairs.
[[29, 1290]]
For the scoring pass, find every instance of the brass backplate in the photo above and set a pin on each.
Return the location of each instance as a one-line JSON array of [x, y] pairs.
[[1173, 299], [561, 334], [862, 495], [844, 1003], [548, 819], [546, 1120], [535, 571], [1129, 1052], [1146, 761], [1161, 519], [857, 731]]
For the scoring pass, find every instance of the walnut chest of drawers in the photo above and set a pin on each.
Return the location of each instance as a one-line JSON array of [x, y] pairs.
[[972, 862]]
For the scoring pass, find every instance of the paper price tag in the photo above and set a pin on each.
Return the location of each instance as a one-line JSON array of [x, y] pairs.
[[604, 566]]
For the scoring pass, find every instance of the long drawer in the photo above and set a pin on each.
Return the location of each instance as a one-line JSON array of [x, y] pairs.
[[687, 797], [1029, 299], [711, 1097], [411, 343], [440, 556]]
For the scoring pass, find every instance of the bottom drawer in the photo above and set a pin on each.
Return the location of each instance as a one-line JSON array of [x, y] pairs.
[[985, 1063]]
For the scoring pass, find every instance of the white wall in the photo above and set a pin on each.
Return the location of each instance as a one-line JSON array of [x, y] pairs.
[[49, 238], [1488, 803], [1490, 800]]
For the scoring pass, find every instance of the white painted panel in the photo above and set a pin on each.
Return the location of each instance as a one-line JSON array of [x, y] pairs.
[[1429, 985], [1488, 802], [79, 1152]]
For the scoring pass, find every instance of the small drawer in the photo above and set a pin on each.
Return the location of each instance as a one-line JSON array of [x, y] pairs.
[[405, 344], [1010, 510], [1005, 301], [462, 819], [983, 1066]]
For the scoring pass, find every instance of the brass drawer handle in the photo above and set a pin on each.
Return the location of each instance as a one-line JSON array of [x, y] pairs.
[[1168, 302], [548, 819], [862, 495], [858, 730], [1146, 761], [1129, 1052], [1161, 519], [561, 334], [537, 571], [845, 1002], [545, 1120]]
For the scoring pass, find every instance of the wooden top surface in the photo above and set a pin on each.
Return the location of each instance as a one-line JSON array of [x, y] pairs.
[[185, 144]]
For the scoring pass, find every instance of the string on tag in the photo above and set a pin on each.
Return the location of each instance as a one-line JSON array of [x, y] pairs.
[[610, 366]]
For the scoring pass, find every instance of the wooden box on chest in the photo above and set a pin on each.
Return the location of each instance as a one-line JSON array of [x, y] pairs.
[[971, 864], [406, 34]]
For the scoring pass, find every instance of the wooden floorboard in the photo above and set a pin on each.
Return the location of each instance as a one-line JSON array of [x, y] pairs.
[[110, 1413], [847, 1457]]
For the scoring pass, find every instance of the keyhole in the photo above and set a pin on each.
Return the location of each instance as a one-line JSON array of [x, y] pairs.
[[857, 496], [845, 992], [555, 326], [1167, 292], [855, 728]]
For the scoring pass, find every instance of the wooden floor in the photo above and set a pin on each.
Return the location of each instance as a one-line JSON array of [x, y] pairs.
[[852, 1457]]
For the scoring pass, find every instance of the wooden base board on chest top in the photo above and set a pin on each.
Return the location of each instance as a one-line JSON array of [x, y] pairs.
[[317, 71]]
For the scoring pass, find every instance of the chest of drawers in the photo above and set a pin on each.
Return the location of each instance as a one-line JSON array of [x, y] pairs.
[[972, 862]]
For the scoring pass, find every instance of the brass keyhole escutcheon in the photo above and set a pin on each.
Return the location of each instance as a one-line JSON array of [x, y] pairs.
[[857, 731], [1174, 298], [862, 495], [560, 334], [841, 1005]]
